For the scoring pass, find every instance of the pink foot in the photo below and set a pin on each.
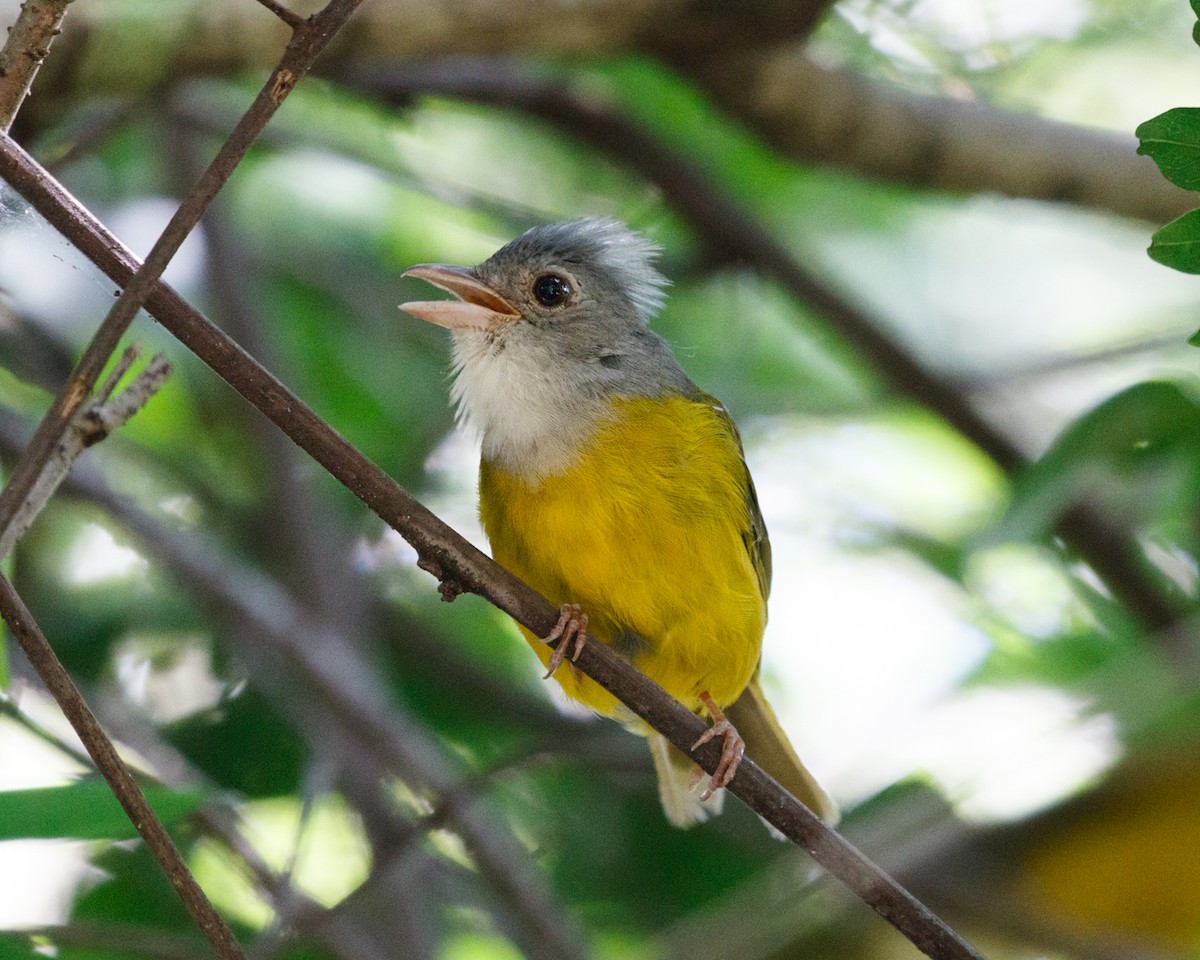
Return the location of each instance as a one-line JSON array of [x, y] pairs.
[[731, 751], [571, 629]]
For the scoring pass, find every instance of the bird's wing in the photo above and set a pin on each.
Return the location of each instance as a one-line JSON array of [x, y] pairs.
[[755, 535]]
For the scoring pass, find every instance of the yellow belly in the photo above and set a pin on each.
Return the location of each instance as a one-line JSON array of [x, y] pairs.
[[645, 532]]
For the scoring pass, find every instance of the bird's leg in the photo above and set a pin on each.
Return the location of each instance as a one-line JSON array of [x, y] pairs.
[[571, 629], [731, 751]]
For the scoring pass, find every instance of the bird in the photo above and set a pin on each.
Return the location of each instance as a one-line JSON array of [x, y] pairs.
[[618, 489]]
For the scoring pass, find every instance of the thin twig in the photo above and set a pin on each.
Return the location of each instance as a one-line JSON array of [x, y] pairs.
[[460, 566], [339, 933], [292, 19], [29, 39], [110, 764], [731, 234], [98, 417], [303, 49]]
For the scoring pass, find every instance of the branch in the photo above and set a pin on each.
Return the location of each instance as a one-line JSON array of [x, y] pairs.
[[733, 235], [460, 567], [232, 38], [98, 417], [110, 764], [306, 44], [29, 39], [837, 117]]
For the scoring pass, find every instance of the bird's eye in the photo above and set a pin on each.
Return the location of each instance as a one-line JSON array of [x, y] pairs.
[[551, 290]]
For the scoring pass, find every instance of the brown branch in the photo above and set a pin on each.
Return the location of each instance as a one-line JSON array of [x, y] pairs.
[[731, 234], [248, 600], [28, 44], [110, 764], [462, 567], [305, 46], [839, 118], [710, 30]]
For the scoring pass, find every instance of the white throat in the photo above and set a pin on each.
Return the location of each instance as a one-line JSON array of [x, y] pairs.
[[531, 416]]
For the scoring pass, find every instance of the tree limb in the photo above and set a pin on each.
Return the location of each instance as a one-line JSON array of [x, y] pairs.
[[459, 566], [839, 118], [335, 930], [748, 57]]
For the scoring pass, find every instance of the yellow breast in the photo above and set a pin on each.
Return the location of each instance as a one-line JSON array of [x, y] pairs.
[[646, 532]]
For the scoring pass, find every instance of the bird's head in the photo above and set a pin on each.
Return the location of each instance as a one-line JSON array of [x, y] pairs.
[[555, 278], [551, 326]]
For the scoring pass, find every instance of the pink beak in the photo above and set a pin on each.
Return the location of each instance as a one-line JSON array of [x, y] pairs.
[[478, 306]]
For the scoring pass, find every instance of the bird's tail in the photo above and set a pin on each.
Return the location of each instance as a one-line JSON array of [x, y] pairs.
[[768, 746]]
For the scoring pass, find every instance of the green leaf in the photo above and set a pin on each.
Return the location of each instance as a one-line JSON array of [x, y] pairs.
[[1177, 244], [1195, 7], [1172, 139], [85, 810]]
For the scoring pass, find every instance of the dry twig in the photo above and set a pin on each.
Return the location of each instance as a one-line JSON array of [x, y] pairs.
[[29, 39], [98, 417]]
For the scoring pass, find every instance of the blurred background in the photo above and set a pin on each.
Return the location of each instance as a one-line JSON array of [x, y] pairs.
[[906, 240]]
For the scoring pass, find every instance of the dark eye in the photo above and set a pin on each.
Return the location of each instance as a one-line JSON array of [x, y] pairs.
[[551, 290]]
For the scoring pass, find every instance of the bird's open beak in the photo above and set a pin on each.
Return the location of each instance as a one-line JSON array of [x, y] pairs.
[[478, 306]]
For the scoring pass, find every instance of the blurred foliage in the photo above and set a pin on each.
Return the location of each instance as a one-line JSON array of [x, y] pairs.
[[84, 810], [1003, 734]]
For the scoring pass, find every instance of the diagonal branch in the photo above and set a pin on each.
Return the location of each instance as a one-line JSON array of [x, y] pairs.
[[110, 764], [461, 567], [305, 46]]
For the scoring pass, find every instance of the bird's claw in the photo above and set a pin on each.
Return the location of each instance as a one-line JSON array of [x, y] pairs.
[[732, 750], [570, 631]]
